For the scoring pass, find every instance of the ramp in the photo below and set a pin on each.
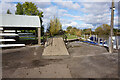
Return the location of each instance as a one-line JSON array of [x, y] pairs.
[[57, 48]]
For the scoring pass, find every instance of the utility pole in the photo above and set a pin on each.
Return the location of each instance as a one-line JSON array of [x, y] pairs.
[[112, 23]]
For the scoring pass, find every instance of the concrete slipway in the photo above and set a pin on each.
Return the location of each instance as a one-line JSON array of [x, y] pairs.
[[57, 47]]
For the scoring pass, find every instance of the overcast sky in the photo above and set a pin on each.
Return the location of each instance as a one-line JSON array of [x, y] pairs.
[[81, 14]]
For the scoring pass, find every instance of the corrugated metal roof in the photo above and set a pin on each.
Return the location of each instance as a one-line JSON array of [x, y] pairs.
[[9, 20]]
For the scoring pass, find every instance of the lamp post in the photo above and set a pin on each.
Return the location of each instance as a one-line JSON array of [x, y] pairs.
[[111, 32]]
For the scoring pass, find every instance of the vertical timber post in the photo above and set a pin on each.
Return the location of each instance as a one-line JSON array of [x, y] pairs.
[[117, 42], [98, 41], [84, 37], [39, 36], [102, 41], [96, 38]]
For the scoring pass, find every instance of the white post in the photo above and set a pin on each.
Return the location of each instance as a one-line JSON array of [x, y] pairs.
[[98, 41], [96, 38], [86, 37], [102, 41]]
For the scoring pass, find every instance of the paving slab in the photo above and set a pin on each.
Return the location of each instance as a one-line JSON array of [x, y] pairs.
[[57, 48]]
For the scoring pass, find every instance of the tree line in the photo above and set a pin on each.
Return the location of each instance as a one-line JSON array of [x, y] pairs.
[[103, 31]]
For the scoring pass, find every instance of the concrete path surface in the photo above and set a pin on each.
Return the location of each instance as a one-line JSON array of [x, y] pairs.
[[84, 61], [57, 48], [49, 71]]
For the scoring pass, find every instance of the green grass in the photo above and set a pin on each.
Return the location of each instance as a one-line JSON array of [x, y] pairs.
[[71, 36], [26, 38], [68, 37]]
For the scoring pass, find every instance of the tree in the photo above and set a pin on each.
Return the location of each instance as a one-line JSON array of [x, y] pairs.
[[19, 9], [54, 26], [106, 29], [103, 31], [8, 12], [69, 28], [29, 8], [116, 31], [99, 31], [73, 31], [79, 33], [87, 31]]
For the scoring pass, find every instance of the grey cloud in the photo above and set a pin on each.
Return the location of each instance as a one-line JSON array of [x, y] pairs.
[[43, 4]]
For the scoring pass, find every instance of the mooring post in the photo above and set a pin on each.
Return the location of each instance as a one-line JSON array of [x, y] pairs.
[[98, 41], [96, 38], [84, 37], [117, 42], [102, 41]]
